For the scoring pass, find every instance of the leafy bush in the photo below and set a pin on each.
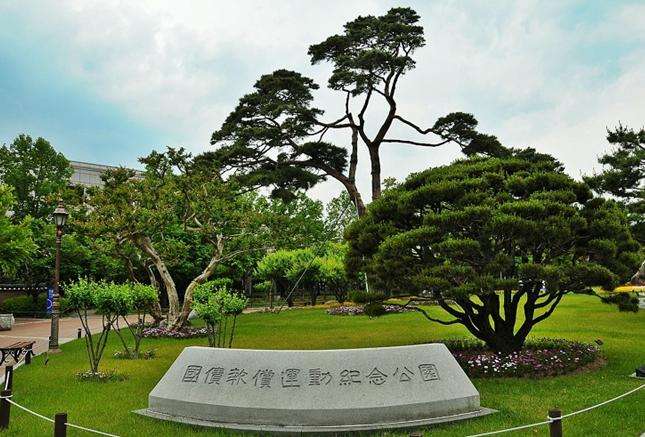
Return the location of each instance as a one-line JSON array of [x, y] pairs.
[[25, 305], [359, 296], [624, 301], [219, 310], [84, 295], [140, 300], [374, 309], [112, 301]]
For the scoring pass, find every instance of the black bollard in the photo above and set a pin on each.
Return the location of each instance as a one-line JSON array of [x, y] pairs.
[[640, 371], [60, 425], [5, 409], [78, 333], [555, 427]]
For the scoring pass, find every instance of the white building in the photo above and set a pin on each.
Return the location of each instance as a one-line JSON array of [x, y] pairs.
[[89, 175]]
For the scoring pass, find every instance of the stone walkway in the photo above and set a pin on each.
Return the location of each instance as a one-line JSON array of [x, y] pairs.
[[38, 330]]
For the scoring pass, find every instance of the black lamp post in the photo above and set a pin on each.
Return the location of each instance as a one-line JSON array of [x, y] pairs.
[[60, 217]]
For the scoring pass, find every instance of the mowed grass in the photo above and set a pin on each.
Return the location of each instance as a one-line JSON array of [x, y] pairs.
[[51, 388]]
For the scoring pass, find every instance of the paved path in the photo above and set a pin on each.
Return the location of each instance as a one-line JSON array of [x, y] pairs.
[[38, 330]]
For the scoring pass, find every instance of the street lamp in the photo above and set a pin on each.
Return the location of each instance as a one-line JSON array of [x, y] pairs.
[[60, 217]]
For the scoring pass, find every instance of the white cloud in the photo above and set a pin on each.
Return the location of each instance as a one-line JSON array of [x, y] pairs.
[[180, 67]]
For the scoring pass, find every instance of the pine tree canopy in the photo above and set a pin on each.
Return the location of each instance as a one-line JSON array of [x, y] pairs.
[[485, 237]]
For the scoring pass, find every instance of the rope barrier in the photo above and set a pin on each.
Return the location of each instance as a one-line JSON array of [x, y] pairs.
[[584, 410], [555, 419], [8, 399], [90, 430], [516, 428], [28, 410]]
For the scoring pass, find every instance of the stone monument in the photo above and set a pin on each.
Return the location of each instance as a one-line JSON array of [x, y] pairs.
[[315, 391]]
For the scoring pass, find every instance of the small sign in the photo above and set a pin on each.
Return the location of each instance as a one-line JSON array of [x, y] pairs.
[[49, 303]]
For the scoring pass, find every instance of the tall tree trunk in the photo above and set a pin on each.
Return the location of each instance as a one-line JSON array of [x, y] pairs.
[[500, 335], [356, 199], [375, 162], [349, 185], [247, 281], [181, 320], [155, 311], [146, 246]]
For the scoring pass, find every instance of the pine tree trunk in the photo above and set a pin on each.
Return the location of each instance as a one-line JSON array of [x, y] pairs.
[[375, 162]]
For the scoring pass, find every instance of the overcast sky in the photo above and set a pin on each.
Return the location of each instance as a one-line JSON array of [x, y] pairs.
[[108, 81]]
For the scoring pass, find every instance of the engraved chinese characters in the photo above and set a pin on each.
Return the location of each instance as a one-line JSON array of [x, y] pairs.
[[312, 390], [295, 378]]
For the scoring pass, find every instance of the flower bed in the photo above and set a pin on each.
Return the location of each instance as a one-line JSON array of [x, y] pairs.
[[539, 358], [156, 332], [347, 310]]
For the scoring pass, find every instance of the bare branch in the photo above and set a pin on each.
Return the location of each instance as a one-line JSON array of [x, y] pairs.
[[414, 126], [415, 143]]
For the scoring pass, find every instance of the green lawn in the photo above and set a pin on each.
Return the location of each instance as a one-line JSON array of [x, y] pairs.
[[51, 388]]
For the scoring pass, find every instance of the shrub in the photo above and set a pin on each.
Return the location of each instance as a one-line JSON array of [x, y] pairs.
[[219, 310], [25, 305], [624, 301], [140, 299], [374, 309], [587, 290], [359, 296], [111, 301], [84, 295]]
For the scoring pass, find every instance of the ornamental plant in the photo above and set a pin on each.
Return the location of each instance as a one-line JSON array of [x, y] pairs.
[[496, 242], [539, 358], [219, 309], [107, 300], [140, 300]]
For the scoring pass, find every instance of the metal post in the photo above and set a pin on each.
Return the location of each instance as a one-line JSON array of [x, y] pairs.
[[53, 338], [8, 377], [555, 427], [5, 409], [60, 425], [78, 333]]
